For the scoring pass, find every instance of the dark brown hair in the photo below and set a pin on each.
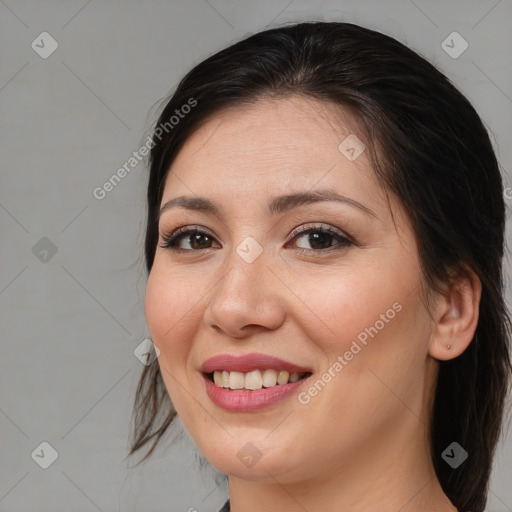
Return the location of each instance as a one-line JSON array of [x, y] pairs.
[[429, 147]]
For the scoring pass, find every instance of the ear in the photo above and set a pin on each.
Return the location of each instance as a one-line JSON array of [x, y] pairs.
[[456, 316]]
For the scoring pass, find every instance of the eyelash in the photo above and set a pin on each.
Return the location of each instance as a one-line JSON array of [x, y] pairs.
[[172, 240]]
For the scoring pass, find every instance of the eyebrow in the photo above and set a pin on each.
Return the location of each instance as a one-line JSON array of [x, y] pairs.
[[279, 204]]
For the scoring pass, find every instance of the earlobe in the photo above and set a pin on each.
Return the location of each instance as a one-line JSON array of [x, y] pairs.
[[456, 317]]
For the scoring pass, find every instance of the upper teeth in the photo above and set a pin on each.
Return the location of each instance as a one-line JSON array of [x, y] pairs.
[[255, 379]]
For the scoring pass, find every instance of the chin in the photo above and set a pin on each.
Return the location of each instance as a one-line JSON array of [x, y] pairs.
[[250, 461]]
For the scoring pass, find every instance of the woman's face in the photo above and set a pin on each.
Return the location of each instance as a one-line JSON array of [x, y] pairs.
[[331, 288]]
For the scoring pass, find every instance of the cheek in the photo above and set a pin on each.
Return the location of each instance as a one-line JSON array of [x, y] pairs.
[[375, 320], [380, 345], [356, 308], [172, 312], [158, 306]]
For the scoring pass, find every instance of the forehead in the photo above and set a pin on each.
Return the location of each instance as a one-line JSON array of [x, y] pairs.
[[275, 145], [275, 126]]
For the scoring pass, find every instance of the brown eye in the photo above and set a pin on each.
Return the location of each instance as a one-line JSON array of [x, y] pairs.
[[321, 239], [196, 240]]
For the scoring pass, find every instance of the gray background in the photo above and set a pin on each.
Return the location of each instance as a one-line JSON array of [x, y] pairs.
[[71, 320]]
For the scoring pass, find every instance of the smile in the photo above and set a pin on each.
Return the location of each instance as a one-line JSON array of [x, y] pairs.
[[251, 382], [256, 379]]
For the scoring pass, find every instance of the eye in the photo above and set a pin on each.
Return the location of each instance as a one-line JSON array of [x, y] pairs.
[[195, 237], [320, 239]]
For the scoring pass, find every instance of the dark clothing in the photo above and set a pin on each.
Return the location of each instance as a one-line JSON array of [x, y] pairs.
[[226, 507]]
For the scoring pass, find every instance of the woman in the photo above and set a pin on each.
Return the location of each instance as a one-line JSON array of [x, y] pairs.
[[324, 245]]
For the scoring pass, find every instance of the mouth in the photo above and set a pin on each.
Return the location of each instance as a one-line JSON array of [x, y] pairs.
[[255, 379], [251, 382]]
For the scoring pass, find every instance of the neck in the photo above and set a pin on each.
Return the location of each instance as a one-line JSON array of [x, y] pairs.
[[394, 474]]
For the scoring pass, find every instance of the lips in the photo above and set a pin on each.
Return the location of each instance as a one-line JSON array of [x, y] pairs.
[[248, 363], [234, 396]]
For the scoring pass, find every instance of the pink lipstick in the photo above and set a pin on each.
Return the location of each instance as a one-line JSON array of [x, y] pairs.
[[251, 382]]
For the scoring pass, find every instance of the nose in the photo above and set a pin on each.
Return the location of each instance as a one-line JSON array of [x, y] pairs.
[[246, 300]]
